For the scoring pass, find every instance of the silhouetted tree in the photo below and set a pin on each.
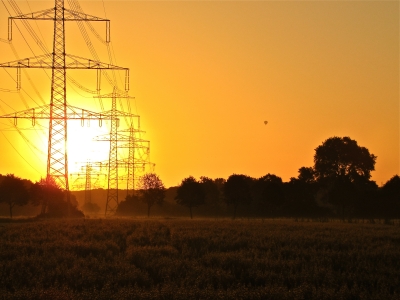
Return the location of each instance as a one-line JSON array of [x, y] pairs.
[[366, 203], [212, 191], [237, 191], [299, 196], [190, 193], [151, 190], [342, 157], [55, 202], [340, 164], [13, 191], [342, 195], [392, 188], [269, 193], [129, 206], [390, 197], [306, 175], [48, 194]]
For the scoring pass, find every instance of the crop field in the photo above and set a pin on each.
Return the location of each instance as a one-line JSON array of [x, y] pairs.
[[198, 259]]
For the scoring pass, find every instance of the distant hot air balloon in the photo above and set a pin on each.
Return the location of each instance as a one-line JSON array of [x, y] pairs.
[[265, 122]]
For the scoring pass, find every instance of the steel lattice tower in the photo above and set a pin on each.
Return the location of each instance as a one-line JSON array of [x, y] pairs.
[[112, 191], [130, 184], [59, 62], [57, 160], [89, 172], [112, 201], [88, 183], [132, 162]]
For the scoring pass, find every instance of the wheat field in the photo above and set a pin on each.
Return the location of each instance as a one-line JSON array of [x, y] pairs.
[[198, 259]]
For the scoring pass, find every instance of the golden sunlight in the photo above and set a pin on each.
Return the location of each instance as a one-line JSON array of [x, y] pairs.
[[83, 147]]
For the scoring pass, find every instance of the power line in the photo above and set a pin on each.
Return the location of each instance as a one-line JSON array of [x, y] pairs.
[[16, 151]]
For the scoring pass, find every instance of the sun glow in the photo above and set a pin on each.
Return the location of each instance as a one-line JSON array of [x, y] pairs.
[[83, 146]]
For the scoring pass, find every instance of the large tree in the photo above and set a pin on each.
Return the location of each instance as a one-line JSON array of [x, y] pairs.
[[342, 156], [190, 193], [342, 170], [47, 193], [55, 201], [13, 191], [152, 190], [237, 191]]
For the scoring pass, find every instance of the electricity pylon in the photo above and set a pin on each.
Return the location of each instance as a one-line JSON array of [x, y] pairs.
[[133, 162], [112, 201], [58, 61], [88, 170]]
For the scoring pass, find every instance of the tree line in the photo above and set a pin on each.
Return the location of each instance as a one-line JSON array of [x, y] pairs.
[[46, 194], [337, 185]]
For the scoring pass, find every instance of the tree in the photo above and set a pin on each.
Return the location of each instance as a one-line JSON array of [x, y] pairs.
[[54, 200], [190, 193], [299, 195], [13, 191], [366, 199], [300, 192], [48, 194], [392, 188], [390, 197], [212, 192], [129, 206], [341, 169], [343, 195], [342, 157], [152, 190], [269, 191], [237, 191], [306, 175]]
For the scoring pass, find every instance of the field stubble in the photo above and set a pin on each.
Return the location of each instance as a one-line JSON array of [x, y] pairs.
[[202, 259]]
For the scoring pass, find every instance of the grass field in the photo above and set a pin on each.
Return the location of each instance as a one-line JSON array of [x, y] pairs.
[[199, 259]]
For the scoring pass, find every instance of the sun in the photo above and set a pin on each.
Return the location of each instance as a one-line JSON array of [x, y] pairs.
[[83, 147]]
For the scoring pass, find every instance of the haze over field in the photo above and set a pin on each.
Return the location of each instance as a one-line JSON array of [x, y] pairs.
[[206, 75]]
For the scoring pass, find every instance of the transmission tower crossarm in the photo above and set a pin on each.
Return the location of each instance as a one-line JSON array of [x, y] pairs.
[[76, 62], [120, 137], [124, 162], [138, 162], [124, 137], [40, 62], [79, 113], [71, 62], [73, 15], [112, 95], [136, 146], [133, 130], [46, 14], [68, 15], [43, 113], [120, 113]]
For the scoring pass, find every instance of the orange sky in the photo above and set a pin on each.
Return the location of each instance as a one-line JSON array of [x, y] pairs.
[[206, 75]]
